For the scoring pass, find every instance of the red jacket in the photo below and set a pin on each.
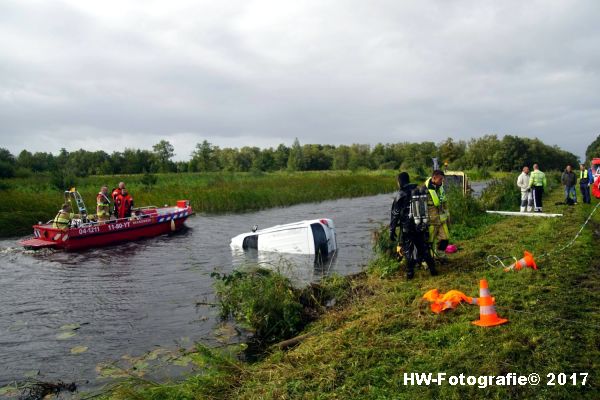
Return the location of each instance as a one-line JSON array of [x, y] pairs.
[[124, 205], [115, 193]]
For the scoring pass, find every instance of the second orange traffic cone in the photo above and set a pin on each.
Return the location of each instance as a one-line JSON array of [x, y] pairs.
[[487, 310], [526, 261]]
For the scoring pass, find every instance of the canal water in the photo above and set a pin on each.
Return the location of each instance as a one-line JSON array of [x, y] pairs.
[[128, 299]]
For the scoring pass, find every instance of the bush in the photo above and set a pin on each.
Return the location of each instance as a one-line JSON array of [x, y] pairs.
[[62, 180], [21, 172], [148, 180], [386, 263], [389, 165], [467, 215], [6, 169], [501, 194], [462, 207], [263, 300], [480, 174], [553, 180], [381, 240]]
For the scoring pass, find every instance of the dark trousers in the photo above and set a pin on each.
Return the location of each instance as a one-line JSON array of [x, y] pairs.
[[585, 192], [416, 249], [538, 193]]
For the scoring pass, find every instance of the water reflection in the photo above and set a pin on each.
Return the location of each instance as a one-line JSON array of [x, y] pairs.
[[129, 298], [300, 268]]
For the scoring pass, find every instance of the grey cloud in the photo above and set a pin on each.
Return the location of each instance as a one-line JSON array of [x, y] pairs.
[[325, 72]]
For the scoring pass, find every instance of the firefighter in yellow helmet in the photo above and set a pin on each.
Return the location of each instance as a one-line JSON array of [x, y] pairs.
[[64, 217], [103, 205], [437, 208]]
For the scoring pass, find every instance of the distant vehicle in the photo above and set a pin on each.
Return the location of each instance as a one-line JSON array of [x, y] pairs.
[[596, 167], [457, 179], [453, 179], [315, 236]]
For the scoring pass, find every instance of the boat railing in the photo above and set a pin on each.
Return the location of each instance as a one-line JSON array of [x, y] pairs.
[[77, 223], [114, 221]]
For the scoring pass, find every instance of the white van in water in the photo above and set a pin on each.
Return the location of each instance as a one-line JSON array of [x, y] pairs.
[[315, 236]]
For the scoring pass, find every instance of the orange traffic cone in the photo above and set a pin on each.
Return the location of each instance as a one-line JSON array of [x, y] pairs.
[[526, 261], [487, 311]]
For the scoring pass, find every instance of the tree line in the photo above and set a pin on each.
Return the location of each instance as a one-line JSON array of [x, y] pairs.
[[487, 153]]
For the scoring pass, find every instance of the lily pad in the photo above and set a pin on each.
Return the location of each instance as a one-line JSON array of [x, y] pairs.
[[65, 335], [110, 371], [153, 355], [70, 327], [32, 373], [79, 349], [17, 326], [183, 361]]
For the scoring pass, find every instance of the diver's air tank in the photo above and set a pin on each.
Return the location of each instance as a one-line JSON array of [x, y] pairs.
[[418, 207]]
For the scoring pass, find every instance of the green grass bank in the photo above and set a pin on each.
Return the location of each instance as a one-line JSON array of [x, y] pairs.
[[362, 347], [24, 201]]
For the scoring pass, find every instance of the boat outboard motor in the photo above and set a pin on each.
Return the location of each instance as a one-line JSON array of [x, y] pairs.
[[418, 208]]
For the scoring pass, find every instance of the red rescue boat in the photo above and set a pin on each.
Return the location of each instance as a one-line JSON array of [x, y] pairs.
[[148, 222]]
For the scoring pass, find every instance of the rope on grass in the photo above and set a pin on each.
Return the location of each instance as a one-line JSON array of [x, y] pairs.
[[495, 261], [576, 236]]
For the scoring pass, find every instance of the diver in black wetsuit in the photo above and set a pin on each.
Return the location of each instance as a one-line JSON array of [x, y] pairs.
[[409, 212]]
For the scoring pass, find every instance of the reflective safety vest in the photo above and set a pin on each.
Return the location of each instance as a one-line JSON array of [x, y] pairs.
[[62, 219], [436, 200], [583, 177], [102, 205], [538, 178]]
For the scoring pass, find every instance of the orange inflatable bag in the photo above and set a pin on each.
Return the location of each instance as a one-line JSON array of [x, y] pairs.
[[444, 301]]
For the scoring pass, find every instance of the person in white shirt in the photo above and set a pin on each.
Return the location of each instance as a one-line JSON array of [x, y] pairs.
[[526, 193]]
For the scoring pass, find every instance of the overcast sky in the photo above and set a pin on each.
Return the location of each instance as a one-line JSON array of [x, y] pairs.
[[114, 74]]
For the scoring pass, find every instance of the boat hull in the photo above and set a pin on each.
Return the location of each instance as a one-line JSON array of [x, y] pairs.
[[152, 223]]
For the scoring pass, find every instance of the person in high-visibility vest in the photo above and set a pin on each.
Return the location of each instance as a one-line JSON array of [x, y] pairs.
[[103, 205], [537, 181], [64, 217], [437, 209], [585, 180]]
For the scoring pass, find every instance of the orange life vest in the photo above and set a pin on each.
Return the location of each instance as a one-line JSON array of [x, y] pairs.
[[124, 205]]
